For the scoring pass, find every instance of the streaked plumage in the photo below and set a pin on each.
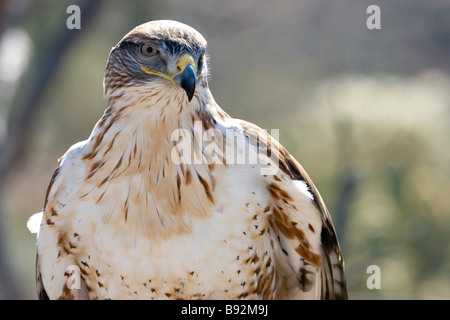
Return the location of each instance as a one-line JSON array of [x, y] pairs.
[[140, 225]]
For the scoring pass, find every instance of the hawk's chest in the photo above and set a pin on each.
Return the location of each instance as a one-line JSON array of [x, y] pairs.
[[218, 247]]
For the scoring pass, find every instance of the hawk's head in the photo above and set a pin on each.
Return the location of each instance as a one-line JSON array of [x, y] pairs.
[[159, 54]]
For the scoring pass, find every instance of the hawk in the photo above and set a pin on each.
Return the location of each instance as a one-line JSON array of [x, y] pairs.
[[171, 198]]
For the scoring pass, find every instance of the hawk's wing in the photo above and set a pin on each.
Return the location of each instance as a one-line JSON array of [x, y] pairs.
[[297, 207], [54, 260], [33, 225], [333, 280]]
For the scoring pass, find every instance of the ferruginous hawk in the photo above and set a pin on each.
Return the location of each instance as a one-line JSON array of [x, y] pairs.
[[171, 198]]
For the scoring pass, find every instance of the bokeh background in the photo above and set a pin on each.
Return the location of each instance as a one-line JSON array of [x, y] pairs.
[[366, 112]]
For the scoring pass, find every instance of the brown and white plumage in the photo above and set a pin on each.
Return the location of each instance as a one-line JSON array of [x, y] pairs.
[[138, 224]]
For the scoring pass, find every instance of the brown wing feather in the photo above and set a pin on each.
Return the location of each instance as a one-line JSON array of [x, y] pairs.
[[332, 274], [42, 294]]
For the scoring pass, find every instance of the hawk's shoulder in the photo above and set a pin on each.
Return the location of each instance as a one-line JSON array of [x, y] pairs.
[[300, 216]]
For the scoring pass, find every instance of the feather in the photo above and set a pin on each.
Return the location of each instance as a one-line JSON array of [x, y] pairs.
[[34, 222]]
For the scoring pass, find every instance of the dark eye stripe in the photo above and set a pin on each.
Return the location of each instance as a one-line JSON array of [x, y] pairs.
[[200, 62]]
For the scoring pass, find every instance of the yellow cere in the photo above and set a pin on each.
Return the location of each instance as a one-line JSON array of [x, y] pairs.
[[183, 61]]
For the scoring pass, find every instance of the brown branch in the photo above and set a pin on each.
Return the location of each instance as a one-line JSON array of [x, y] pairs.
[[348, 186]]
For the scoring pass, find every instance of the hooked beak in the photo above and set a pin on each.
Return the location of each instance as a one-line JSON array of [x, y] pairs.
[[185, 76]]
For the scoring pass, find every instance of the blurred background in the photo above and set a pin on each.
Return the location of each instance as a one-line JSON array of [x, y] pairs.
[[366, 112]]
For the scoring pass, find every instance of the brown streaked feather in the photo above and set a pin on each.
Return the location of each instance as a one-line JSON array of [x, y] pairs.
[[42, 294], [52, 181], [336, 289], [332, 274], [207, 188]]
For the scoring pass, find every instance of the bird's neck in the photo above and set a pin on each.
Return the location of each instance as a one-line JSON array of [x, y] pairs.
[[139, 144], [146, 130]]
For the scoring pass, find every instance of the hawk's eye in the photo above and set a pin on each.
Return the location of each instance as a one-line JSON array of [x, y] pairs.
[[148, 50]]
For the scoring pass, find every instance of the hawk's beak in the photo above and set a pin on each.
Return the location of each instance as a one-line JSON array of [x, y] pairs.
[[185, 76]]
